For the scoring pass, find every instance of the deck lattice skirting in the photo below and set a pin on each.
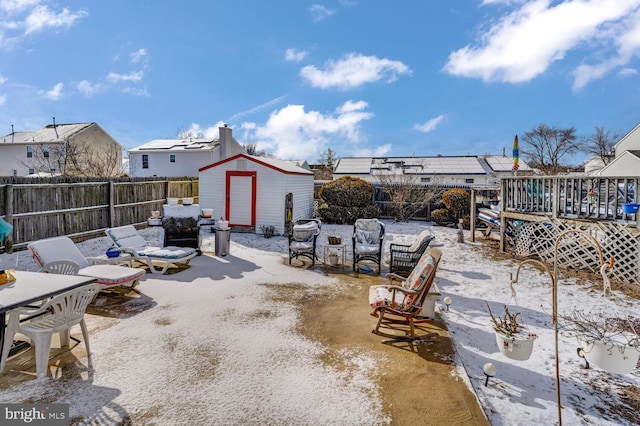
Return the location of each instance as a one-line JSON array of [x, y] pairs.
[[622, 241]]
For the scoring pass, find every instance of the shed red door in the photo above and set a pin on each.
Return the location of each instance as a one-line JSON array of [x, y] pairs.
[[241, 198]]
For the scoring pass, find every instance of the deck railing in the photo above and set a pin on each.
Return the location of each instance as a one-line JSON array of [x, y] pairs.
[[574, 197]]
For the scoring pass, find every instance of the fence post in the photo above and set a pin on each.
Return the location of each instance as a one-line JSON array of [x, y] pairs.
[[112, 202]]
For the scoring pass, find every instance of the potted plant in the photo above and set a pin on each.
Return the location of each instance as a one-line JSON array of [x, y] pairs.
[[333, 259], [512, 338], [611, 343]]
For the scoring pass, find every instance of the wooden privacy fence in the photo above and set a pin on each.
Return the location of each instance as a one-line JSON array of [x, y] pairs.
[[84, 209]]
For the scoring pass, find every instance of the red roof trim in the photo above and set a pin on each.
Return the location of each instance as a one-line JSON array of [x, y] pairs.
[[271, 166]]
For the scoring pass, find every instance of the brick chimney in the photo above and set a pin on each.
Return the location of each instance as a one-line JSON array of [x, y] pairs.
[[225, 141]]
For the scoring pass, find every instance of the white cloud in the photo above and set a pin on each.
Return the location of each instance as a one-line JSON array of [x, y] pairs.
[[3, 79], [292, 132], [19, 18], [294, 55], [379, 151], [88, 89], [42, 17], [429, 125], [353, 70], [55, 93], [628, 71], [522, 44], [3, 99], [134, 76], [320, 12], [12, 6], [138, 56]]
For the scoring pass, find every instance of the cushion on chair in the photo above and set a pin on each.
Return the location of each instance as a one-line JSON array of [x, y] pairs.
[[58, 248], [368, 237], [424, 234], [417, 273], [301, 245], [304, 231], [367, 248], [169, 252], [127, 236], [110, 275]]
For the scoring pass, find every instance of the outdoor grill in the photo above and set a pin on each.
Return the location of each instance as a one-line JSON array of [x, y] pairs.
[[180, 224]]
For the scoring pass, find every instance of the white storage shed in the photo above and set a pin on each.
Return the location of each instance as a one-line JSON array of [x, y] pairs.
[[251, 192]]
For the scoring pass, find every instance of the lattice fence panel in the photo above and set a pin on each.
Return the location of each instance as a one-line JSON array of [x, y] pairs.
[[575, 251]]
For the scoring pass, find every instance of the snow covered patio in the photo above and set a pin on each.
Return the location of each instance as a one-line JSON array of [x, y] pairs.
[[248, 339]]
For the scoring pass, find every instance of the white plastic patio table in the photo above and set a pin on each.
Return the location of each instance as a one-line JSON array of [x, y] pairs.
[[30, 287]]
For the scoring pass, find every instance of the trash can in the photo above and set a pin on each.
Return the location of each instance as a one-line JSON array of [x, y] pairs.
[[223, 240]]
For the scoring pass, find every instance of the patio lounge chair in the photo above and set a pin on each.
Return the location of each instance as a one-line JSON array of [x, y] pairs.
[[129, 241], [397, 306], [50, 252], [302, 240], [368, 235], [404, 257], [56, 315]]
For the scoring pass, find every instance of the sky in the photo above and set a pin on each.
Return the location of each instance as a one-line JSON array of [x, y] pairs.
[[242, 389], [296, 77]]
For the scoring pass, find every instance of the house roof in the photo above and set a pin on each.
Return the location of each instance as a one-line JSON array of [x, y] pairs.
[[191, 144], [437, 165], [273, 163], [47, 134]]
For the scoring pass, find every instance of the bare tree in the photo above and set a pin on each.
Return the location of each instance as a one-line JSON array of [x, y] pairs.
[[601, 144], [406, 194], [185, 133], [252, 149], [546, 147], [78, 158]]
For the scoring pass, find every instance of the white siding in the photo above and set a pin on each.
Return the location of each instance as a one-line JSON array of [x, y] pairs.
[[272, 187], [627, 165], [187, 163]]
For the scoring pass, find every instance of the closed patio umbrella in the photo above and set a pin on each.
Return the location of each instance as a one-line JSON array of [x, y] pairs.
[[516, 155]]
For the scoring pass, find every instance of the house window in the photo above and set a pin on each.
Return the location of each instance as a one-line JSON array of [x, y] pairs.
[[145, 161], [425, 179], [15, 172], [32, 171], [45, 151], [468, 181], [29, 151], [172, 158]]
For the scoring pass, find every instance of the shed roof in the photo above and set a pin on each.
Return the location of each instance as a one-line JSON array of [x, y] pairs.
[[273, 163]]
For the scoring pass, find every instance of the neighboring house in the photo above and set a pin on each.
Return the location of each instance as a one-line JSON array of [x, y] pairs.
[[181, 157], [447, 171], [251, 192], [80, 149], [627, 160], [300, 163]]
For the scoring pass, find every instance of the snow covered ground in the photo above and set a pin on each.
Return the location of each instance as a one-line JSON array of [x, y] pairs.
[[522, 392]]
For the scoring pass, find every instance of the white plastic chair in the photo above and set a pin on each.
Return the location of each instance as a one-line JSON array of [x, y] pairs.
[[56, 315], [63, 267], [52, 253]]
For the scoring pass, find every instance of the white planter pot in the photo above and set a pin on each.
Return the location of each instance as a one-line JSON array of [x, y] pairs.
[[519, 349], [611, 357]]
